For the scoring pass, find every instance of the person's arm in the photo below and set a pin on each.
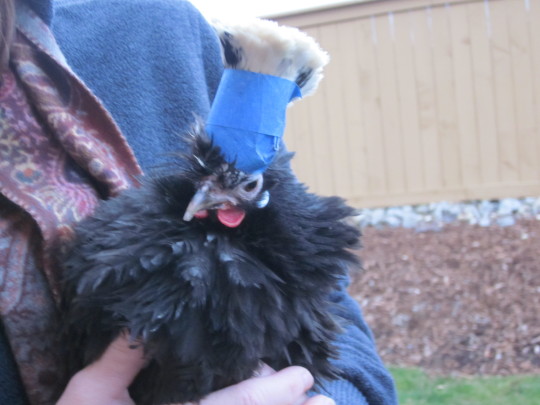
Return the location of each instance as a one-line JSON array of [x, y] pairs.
[[367, 381], [106, 382]]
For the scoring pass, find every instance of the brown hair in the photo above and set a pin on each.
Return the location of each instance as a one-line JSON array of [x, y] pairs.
[[7, 29]]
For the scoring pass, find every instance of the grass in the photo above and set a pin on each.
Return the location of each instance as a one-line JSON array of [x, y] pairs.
[[415, 387]]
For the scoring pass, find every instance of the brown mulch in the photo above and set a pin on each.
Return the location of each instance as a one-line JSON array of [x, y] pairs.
[[463, 300]]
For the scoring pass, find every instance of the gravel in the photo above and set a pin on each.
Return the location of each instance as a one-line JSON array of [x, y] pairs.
[[433, 217]]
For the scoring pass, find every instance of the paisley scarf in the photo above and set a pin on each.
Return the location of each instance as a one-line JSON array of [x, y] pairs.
[[60, 153]]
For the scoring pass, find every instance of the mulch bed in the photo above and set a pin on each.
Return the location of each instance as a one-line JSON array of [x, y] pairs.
[[463, 300]]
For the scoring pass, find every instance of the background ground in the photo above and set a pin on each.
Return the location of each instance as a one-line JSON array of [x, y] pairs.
[[462, 300]]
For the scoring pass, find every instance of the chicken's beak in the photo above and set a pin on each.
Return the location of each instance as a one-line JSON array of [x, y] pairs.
[[198, 202], [206, 198]]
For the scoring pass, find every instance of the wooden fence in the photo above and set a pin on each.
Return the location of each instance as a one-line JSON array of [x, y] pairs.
[[422, 101]]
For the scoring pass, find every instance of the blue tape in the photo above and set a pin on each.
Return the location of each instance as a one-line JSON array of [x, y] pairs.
[[247, 118]]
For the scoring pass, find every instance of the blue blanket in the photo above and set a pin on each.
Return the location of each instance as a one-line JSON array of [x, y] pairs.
[[155, 66]]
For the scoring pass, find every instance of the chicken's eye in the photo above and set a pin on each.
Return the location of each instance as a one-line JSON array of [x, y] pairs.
[[251, 186]]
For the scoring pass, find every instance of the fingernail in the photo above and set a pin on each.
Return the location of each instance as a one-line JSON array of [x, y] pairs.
[[307, 378], [264, 371]]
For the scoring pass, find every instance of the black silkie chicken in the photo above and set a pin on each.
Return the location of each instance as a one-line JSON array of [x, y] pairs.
[[213, 270]]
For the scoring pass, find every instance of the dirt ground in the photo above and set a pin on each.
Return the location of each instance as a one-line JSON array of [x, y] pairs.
[[463, 300]]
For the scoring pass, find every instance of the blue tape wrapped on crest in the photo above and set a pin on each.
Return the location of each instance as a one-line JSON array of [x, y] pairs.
[[247, 118]]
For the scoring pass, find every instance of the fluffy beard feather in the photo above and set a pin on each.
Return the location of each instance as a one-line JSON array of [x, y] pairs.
[[208, 302]]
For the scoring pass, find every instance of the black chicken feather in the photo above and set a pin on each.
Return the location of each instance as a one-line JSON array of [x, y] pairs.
[[208, 302]]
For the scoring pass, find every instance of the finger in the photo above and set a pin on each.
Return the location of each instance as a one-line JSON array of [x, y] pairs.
[[119, 364], [302, 400], [264, 371], [285, 387], [319, 400]]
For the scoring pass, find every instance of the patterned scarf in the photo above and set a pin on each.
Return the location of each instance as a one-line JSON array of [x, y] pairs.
[[60, 153]]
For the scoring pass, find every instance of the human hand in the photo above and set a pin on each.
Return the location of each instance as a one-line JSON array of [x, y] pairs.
[[284, 387], [106, 382]]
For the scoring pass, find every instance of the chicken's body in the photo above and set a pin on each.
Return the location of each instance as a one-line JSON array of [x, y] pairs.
[[216, 267], [209, 302]]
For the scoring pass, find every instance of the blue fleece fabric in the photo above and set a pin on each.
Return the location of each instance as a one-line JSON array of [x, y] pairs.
[[43, 8], [154, 64]]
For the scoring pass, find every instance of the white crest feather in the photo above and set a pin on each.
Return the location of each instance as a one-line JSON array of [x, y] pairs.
[[263, 46]]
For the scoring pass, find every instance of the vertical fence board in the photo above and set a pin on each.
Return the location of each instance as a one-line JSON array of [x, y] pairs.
[[412, 145], [446, 100], [367, 41], [504, 96], [524, 99], [391, 131], [351, 66], [480, 23], [533, 17], [467, 126], [427, 114], [337, 135], [320, 137]]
